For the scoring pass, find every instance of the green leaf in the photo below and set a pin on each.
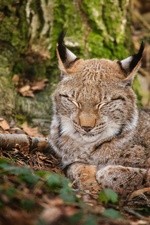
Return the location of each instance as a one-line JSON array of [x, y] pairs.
[[28, 204], [102, 198], [23, 173], [40, 222], [75, 219], [1, 204], [5, 166], [90, 220], [113, 214], [30, 178], [11, 191], [4, 160], [66, 192], [67, 195], [41, 173], [16, 170], [53, 180], [108, 195]]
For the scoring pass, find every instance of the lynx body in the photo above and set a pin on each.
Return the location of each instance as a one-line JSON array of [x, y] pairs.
[[102, 138]]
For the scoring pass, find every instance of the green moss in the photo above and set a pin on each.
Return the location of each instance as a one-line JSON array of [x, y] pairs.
[[107, 38], [13, 27], [37, 112], [69, 18], [7, 96], [94, 28], [112, 16], [20, 119], [96, 46], [94, 14], [13, 39], [7, 93]]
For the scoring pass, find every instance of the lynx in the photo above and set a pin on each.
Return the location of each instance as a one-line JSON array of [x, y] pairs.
[[97, 130]]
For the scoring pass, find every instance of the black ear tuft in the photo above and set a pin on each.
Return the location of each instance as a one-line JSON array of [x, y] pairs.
[[136, 58], [132, 63], [61, 47]]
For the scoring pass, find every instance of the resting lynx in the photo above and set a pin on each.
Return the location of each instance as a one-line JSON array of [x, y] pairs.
[[97, 130]]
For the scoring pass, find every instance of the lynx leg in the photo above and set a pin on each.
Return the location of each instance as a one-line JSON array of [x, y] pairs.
[[83, 176], [123, 180]]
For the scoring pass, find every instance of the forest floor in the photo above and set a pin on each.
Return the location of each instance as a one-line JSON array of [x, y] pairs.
[[34, 191]]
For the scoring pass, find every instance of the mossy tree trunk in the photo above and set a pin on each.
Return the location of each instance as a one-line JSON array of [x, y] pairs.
[[28, 34]]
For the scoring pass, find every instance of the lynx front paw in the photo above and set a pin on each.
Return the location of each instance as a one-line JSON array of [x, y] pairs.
[[122, 180], [84, 177]]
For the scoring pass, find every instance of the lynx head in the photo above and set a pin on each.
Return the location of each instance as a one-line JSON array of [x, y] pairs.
[[94, 99]]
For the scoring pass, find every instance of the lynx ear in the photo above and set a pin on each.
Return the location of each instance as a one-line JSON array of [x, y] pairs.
[[65, 56], [131, 64]]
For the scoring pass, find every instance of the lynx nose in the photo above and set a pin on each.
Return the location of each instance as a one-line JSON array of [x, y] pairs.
[[87, 121], [87, 128]]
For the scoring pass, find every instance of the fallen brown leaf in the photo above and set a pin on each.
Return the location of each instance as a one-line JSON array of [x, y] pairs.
[[26, 91], [15, 79], [30, 131], [39, 85], [4, 124]]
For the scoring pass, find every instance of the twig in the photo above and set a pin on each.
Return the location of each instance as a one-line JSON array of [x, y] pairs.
[[23, 142], [132, 212]]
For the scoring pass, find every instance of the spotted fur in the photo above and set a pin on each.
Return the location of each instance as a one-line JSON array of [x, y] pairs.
[[96, 125]]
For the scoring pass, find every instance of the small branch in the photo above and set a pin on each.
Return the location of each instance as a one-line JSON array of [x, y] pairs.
[[134, 213], [23, 142]]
